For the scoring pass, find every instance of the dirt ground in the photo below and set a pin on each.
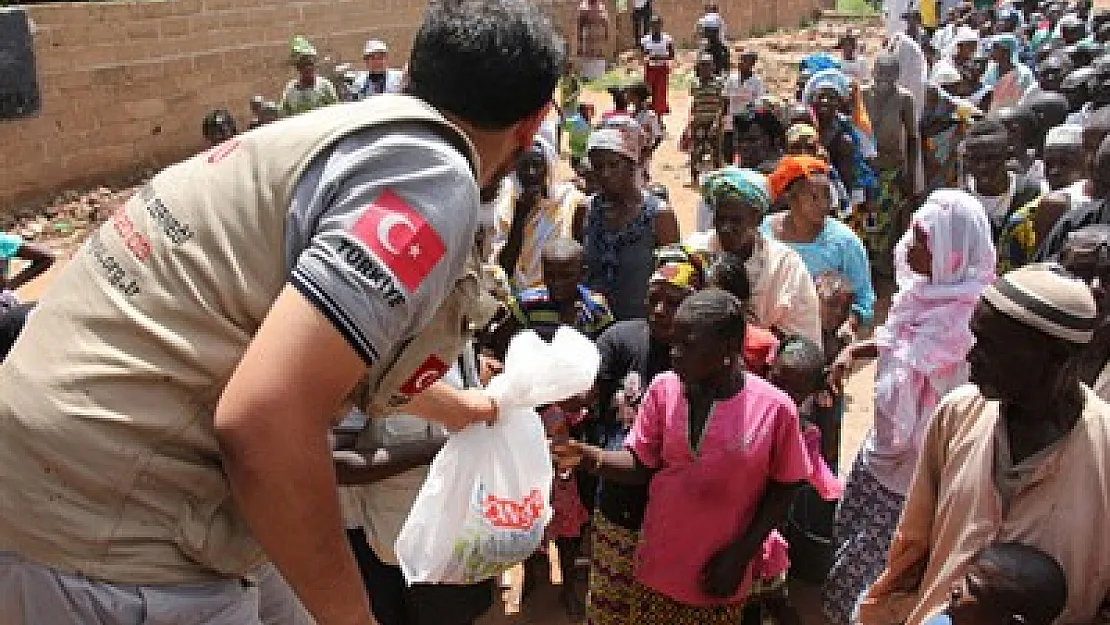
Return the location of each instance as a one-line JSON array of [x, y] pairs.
[[63, 224]]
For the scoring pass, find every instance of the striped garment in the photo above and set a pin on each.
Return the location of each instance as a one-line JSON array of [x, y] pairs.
[[534, 309]]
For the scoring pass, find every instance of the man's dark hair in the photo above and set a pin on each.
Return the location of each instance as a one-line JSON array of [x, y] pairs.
[[987, 131], [491, 63]]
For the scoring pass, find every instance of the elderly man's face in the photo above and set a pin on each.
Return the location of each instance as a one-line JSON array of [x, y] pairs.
[[1011, 362]]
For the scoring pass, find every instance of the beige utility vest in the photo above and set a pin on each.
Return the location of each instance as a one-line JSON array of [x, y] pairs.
[[109, 464]]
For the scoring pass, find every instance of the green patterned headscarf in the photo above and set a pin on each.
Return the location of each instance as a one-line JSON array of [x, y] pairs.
[[747, 185]]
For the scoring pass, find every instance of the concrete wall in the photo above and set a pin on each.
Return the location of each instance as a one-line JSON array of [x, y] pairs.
[[125, 84]]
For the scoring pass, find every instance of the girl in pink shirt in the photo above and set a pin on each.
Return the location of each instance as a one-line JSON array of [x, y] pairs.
[[722, 450]]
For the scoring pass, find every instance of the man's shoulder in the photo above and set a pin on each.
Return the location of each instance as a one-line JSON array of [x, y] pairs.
[[960, 411]]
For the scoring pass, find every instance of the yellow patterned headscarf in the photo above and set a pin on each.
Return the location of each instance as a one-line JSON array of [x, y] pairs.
[[679, 266]]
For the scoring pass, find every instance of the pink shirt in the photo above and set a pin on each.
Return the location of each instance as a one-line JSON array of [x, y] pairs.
[[699, 502]]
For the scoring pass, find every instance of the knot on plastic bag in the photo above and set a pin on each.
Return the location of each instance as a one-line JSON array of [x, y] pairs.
[[538, 373]]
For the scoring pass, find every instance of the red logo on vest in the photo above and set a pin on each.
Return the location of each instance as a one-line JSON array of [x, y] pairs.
[[222, 151], [400, 237], [428, 374]]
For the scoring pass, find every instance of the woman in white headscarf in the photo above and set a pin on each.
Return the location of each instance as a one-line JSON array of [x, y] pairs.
[[943, 263]]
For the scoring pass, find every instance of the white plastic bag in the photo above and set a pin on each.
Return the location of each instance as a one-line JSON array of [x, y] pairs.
[[486, 501]]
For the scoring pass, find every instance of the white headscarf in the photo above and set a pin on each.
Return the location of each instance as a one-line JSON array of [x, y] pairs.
[[926, 335]]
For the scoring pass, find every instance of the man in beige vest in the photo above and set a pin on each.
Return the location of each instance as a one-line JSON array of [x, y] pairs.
[[164, 418]]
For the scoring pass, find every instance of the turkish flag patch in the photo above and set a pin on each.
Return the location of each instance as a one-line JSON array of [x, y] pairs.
[[426, 375], [400, 238]]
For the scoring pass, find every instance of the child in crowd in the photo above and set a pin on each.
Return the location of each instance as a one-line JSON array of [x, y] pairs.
[[851, 64], [760, 345], [562, 299], [707, 106], [742, 89], [1007, 584], [836, 294], [799, 371], [263, 112], [894, 119], [578, 127], [569, 518], [218, 126], [620, 103], [639, 97], [658, 49]]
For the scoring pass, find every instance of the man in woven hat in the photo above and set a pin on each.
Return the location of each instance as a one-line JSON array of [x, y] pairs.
[[179, 437], [1022, 454], [309, 90]]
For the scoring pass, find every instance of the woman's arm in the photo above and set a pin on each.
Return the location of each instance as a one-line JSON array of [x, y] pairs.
[[620, 466]]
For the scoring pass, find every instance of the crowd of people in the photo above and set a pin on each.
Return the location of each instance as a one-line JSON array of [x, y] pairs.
[[271, 341]]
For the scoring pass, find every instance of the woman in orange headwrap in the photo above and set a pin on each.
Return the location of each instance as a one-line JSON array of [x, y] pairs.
[[825, 245]]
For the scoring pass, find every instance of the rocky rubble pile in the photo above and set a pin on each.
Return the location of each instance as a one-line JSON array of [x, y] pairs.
[[65, 221]]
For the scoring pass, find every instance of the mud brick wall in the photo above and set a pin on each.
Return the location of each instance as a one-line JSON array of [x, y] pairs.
[[126, 84]]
